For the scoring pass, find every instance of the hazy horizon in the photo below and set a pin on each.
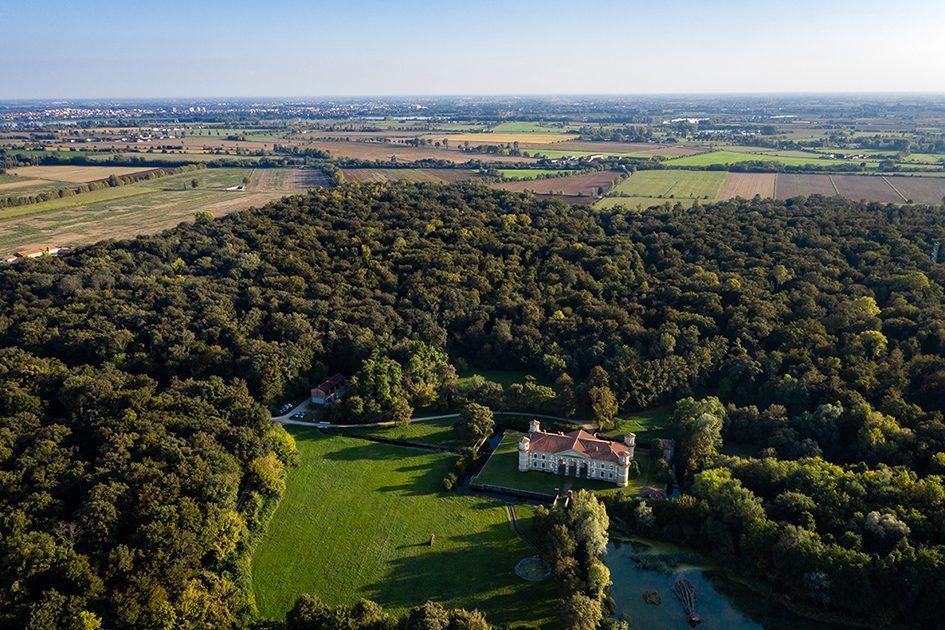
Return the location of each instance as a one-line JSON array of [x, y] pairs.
[[104, 49]]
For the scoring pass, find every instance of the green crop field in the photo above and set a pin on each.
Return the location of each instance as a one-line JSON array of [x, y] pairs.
[[356, 520], [672, 184], [734, 157], [438, 432], [502, 470], [529, 173]]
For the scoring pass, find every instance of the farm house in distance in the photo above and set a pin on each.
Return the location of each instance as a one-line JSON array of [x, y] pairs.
[[576, 454], [330, 389]]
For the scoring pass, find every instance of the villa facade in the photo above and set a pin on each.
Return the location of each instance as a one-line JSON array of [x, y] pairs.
[[576, 454]]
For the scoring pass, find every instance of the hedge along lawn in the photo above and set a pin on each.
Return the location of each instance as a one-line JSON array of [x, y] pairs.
[[355, 522], [502, 471], [669, 184], [438, 432], [734, 157]]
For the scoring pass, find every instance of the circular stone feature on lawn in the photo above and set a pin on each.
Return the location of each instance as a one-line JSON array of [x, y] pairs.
[[532, 569]]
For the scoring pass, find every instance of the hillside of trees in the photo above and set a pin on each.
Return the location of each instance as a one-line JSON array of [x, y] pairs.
[[138, 460]]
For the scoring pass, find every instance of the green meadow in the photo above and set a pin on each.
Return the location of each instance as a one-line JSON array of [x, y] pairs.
[[356, 522]]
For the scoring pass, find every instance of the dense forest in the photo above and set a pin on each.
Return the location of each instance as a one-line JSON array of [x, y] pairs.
[[138, 461]]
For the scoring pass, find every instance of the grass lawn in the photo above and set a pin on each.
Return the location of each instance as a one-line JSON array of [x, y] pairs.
[[668, 184], [502, 377], [502, 470], [647, 425], [436, 432], [530, 173], [356, 520]]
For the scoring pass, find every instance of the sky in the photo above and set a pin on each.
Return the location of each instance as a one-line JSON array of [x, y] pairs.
[[215, 48]]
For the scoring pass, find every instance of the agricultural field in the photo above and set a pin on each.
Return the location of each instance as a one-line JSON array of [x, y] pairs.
[[92, 197], [13, 186], [747, 185], [476, 139], [868, 188], [669, 184], [207, 178], [286, 180], [125, 211], [428, 175], [555, 154], [527, 173], [502, 471], [795, 184], [142, 211], [920, 189], [640, 203], [356, 521], [533, 127], [75, 174], [585, 185], [641, 149], [713, 158], [370, 151]]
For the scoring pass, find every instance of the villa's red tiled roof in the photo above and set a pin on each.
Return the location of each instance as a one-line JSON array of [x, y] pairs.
[[580, 441]]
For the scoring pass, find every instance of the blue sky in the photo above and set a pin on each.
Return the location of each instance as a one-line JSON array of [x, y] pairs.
[[100, 48]]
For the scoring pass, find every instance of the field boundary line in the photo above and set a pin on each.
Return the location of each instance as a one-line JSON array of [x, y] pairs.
[[834, 184], [774, 192], [901, 196]]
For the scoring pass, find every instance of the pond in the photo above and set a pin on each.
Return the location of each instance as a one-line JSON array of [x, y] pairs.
[[642, 567]]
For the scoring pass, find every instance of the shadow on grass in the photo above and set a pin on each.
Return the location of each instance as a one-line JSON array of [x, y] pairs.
[[477, 572]]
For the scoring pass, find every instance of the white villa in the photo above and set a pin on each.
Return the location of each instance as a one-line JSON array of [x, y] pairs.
[[576, 454]]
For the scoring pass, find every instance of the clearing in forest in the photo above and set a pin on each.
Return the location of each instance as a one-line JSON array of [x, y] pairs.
[[356, 521]]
